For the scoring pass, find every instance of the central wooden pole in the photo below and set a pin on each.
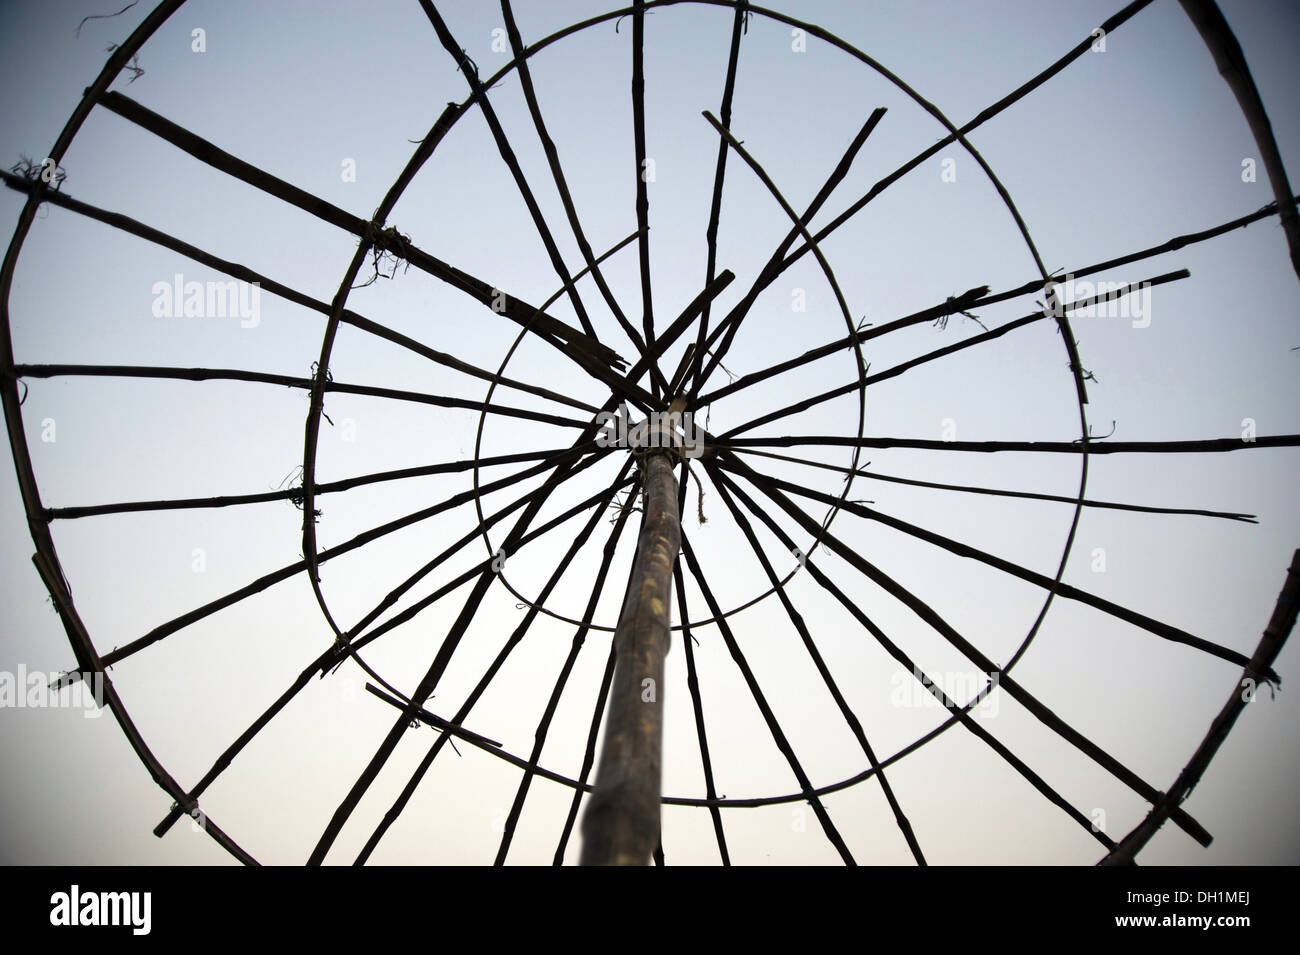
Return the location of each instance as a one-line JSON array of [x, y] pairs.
[[621, 824]]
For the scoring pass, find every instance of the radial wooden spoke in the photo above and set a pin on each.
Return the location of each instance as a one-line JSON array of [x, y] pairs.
[[1092, 446], [337, 653], [642, 193], [976, 298], [727, 328], [91, 663], [293, 493], [959, 135], [290, 570], [960, 714], [966, 301], [466, 576], [1036, 286], [697, 706], [437, 722], [927, 614], [580, 785], [846, 712], [802, 228], [430, 680], [576, 344], [696, 354], [244, 274], [479, 94], [999, 492], [450, 551], [626, 388], [1156, 627], [562, 186], [944, 352], [769, 718], [417, 699], [319, 665], [693, 683], [288, 381], [544, 724]]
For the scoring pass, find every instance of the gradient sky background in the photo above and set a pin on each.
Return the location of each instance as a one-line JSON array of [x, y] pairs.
[[1125, 149]]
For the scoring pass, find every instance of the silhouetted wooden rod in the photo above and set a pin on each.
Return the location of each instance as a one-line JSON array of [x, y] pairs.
[[1231, 62], [1259, 670], [621, 824]]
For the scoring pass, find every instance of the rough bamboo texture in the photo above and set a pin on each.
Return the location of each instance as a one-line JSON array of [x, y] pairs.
[[621, 825]]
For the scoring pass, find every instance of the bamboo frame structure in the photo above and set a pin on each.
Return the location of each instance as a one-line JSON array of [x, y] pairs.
[[621, 824]]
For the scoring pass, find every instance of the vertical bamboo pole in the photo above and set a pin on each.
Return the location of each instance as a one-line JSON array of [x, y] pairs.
[[621, 824]]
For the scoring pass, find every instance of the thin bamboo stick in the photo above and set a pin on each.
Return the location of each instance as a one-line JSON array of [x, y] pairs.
[[1093, 446], [802, 228], [319, 665], [1155, 627], [969, 301], [959, 135], [727, 328], [292, 494], [1258, 670], [479, 95], [369, 636], [697, 706], [927, 614], [437, 722], [574, 343], [769, 717], [244, 274], [960, 714], [846, 712], [693, 683], [561, 680], [642, 192], [562, 185], [288, 381], [290, 570], [400, 803], [987, 336], [443, 657], [580, 785], [695, 354], [999, 492]]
